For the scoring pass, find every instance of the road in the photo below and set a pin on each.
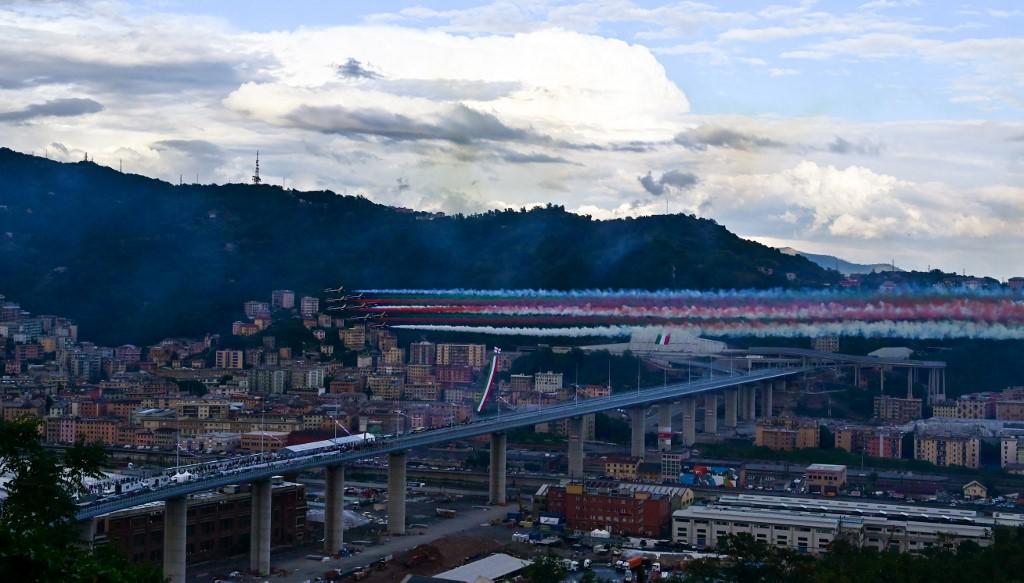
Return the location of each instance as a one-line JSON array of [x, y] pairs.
[[301, 569]]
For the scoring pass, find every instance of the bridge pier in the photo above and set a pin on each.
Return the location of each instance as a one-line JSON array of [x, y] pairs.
[[175, 521], [664, 427], [689, 421], [637, 422], [396, 492], [731, 406], [741, 402], [87, 532], [499, 446], [575, 430], [334, 512], [710, 413], [751, 402], [259, 539], [766, 400]]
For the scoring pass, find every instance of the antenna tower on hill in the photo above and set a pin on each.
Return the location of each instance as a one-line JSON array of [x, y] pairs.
[[256, 175]]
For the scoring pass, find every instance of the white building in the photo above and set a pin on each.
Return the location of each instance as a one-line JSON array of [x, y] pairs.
[[547, 382], [810, 524], [309, 306]]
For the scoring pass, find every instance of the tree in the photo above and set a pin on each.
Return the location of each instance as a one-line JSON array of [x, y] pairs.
[[545, 569], [38, 535]]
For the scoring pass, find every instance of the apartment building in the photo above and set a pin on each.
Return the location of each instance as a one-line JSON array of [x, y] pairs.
[[229, 359], [786, 434], [948, 450], [897, 409], [471, 355]]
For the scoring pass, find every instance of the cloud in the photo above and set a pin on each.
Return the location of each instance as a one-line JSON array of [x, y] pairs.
[[533, 158], [192, 157], [839, 145], [671, 180], [779, 72], [703, 137], [68, 107], [353, 69], [459, 124]]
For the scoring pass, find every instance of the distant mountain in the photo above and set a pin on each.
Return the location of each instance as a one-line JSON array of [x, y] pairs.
[[137, 259], [845, 267]]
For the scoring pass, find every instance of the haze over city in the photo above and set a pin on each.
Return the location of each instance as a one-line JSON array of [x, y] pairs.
[[539, 291], [868, 130]]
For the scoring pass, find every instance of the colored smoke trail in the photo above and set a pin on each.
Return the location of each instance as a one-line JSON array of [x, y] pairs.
[[916, 314], [911, 330]]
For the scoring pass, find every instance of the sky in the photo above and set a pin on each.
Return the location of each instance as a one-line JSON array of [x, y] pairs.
[[876, 130]]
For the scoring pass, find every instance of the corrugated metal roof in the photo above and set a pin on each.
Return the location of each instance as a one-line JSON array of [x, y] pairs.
[[492, 567]]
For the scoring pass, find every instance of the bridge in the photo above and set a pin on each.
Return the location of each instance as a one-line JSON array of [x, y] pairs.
[[936, 369], [738, 392]]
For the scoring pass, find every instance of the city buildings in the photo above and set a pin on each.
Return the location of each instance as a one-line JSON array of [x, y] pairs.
[[810, 524], [948, 450], [786, 433], [897, 409], [621, 511], [229, 359], [826, 479]]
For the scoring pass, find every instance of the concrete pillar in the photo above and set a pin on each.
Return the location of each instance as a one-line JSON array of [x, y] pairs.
[[752, 402], [910, 383], [575, 427], [689, 406], [710, 413], [175, 522], [259, 539], [396, 492], [334, 512], [731, 406], [766, 400], [499, 445], [856, 376], [637, 422], [741, 402], [664, 427], [86, 532], [881, 379]]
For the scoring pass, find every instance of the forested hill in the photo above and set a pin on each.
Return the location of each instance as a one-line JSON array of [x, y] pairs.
[[137, 259]]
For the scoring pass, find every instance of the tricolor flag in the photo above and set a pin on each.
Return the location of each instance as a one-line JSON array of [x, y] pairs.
[[662, 339], [489, 385]]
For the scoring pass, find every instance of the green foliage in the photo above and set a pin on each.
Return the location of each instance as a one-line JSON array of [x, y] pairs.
[[38, 535], [612, 429], [546, 569], [478, 460], [191, 387], [95, 246]]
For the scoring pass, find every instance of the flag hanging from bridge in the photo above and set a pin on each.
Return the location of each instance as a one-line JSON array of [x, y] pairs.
[[662, 339], [489, 385]]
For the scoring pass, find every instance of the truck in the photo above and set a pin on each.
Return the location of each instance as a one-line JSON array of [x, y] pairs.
[[445, 512]]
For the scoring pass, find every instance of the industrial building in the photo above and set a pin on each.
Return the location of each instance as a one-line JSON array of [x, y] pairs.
[[811, 524]]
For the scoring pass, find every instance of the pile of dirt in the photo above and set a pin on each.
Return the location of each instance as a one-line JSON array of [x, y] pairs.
[[441, 555]]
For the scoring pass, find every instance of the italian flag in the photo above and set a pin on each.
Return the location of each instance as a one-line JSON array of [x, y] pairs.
[[489, 386], [662, 339]]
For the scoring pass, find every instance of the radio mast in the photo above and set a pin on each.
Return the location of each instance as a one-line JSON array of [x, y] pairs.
[[256, 174]]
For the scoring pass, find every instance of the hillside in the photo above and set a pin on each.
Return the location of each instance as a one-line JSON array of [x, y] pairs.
[[845, 267], [137, 259]]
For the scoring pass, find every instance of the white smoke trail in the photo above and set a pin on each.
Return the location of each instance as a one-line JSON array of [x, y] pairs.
[[885, 329]]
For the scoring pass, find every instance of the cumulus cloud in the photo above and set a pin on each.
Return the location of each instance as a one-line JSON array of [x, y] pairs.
[[68, 107], [671, 180]]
